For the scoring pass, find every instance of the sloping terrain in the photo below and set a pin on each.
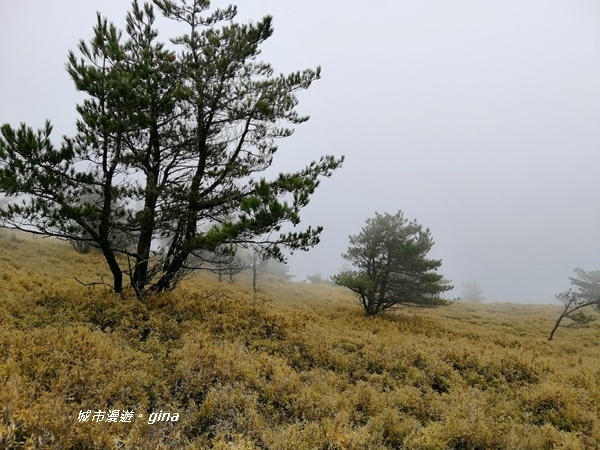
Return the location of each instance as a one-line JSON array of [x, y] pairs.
[[297, 367]]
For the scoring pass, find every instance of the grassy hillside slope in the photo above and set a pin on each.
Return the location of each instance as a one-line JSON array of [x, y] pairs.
[[301, 368]]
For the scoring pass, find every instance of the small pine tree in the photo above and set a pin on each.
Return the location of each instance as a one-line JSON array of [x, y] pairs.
[[391, 265]]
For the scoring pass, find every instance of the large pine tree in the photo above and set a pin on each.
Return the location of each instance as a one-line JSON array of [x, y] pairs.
[[170, 143]]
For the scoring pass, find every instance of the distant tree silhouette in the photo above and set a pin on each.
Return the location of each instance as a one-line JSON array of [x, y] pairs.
[[317, 278], [277, 269], [472, 291]]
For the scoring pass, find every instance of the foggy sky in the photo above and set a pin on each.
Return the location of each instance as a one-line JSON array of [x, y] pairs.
[[480, 119]]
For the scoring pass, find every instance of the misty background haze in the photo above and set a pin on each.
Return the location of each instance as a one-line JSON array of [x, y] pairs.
[[480, 119]]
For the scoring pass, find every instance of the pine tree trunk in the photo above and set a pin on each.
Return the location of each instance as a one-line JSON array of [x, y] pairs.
[[115, 270]]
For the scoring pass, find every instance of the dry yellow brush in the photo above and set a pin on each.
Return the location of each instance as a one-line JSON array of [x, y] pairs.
[[303, 370]]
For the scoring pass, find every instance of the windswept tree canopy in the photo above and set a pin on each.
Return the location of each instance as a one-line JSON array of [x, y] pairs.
[[575, 302], [389, 255], [171, 141]]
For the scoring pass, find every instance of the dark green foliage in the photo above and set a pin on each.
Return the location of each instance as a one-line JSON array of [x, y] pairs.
[[169, 141], [392, 269]]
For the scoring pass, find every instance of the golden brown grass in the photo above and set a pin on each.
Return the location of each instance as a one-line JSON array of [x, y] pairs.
[[299, 367]]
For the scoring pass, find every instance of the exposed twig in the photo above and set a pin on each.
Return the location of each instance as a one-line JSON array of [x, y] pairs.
[[94, 283]]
